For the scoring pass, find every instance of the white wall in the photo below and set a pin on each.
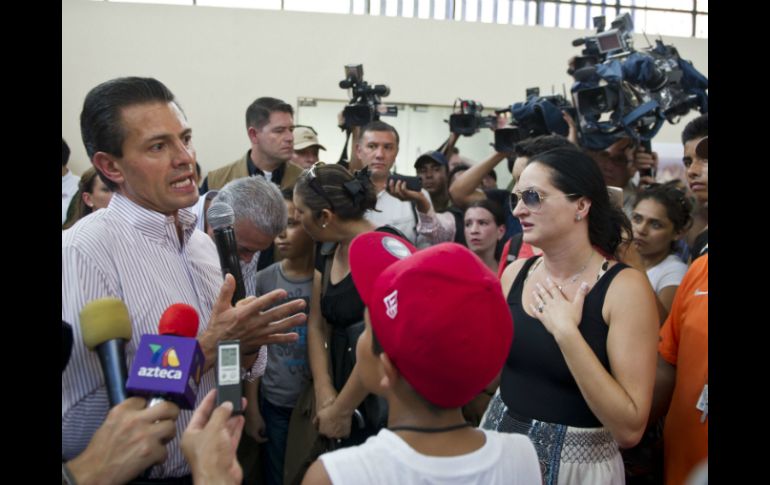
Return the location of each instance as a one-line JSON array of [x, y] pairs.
[[217, 61]]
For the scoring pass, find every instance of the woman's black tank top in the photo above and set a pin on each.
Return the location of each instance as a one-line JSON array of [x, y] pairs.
[[536, 382]]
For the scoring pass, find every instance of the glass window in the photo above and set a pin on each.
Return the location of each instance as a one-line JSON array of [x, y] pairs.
[[564, 14], [667, 23], [703, 5], [391, 8], [265, 4], [407, 8], [519, 16], [677, 4], [504, 12], [440, 9], [488, 11], [359, 7], [471, 10], [702, 26], [423, 9], [549, 15], [327, 6]]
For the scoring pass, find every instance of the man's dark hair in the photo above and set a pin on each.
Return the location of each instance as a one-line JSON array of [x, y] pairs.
[[539, 144], [101, 124], [65, 153], [697, 128], [378, 125], [258, 112], [460, 167]]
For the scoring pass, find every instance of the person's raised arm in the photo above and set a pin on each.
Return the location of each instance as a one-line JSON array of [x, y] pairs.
[[355, 162], [463, 190]]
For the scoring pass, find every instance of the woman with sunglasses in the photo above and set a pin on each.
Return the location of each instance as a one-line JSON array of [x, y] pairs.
[[579, 377], [330, 203], [660, 218]]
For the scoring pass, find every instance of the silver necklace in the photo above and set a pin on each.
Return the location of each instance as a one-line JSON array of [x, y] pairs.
[[571, 279]]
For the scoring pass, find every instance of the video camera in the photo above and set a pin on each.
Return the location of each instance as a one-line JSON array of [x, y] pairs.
[[467, 120], [365, 99], [622, 92], [538, 115]]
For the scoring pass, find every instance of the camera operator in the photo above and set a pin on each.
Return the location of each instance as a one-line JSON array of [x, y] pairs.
[[377, 149], [619, 163]]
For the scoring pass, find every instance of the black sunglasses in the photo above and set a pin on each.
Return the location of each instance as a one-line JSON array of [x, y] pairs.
[[532, 198]]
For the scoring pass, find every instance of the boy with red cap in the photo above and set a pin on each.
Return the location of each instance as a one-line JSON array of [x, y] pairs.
[[437, 332]]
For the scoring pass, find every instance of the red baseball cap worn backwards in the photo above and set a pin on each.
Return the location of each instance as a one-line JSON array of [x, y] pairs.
[[439, 314]]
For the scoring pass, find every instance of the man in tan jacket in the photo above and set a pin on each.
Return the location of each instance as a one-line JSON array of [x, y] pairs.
[[270, 126]]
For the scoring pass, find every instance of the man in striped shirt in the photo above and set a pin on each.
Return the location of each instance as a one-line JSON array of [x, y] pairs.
[[144, 249]]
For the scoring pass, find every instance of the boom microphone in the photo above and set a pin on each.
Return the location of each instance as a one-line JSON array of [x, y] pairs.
[[106, 327], [169, 366], [221, 219]]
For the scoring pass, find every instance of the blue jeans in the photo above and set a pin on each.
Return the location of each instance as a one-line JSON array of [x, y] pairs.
[[276, 429]]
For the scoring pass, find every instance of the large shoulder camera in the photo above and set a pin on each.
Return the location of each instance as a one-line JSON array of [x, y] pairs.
[[466, 118], [365, 99], [620, 91]]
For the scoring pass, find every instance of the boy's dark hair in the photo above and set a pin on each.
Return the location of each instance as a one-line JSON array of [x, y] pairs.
[[288, 193], [697, 128]]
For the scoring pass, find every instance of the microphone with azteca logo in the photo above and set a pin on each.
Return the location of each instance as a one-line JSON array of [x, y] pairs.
[[169, 366]]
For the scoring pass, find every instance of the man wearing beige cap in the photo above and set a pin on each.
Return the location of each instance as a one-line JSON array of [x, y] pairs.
[[306, 146]]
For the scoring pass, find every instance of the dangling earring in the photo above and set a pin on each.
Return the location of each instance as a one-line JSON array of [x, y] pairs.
[[578, 217], [323, 226]]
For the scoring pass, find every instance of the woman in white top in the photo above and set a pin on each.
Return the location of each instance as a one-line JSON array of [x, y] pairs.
[[661, 216]]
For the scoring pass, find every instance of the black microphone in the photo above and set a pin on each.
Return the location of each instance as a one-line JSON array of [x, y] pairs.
[[221, 219], [578, 42], [106, 327]]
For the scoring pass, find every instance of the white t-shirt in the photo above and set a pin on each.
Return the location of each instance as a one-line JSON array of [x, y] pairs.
[[668, 272], [69, 185], [505, 458]]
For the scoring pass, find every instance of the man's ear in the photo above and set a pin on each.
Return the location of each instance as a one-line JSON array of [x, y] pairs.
[[252, 132], [109, 166], [390, 374]]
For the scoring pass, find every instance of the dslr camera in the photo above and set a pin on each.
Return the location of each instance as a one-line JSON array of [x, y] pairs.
[[365, 99]]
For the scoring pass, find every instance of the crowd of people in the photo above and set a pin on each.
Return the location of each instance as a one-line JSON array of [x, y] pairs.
[[458, 333]]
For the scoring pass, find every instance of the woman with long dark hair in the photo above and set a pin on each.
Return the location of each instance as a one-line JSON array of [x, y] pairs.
[[579, 377], [660, 218], [330, 203]]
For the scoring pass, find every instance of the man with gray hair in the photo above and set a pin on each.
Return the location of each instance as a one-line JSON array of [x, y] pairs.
[[260, 215]]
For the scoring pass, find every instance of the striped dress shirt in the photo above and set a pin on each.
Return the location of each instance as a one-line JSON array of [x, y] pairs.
[[132, 253]]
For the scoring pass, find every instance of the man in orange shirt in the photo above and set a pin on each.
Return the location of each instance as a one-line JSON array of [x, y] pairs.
[[682, 378]]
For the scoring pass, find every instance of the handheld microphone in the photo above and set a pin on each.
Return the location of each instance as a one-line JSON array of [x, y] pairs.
[[221, 219], [169, 366], [106, 327]]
